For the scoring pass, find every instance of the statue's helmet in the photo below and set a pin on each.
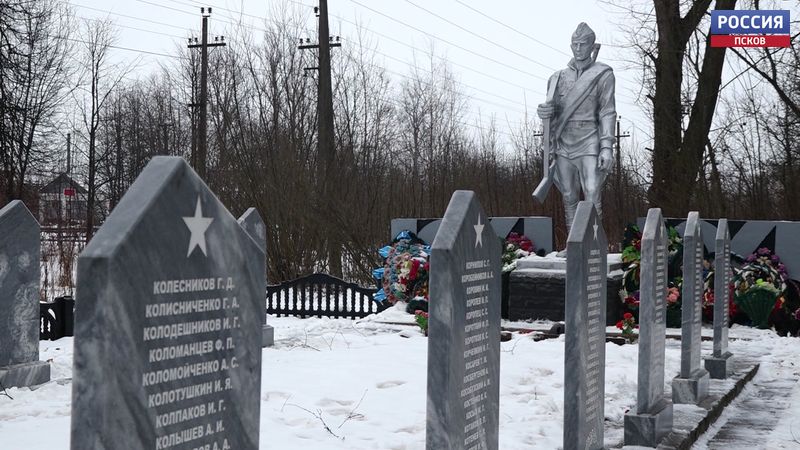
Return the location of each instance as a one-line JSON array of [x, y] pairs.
[[583, 32]]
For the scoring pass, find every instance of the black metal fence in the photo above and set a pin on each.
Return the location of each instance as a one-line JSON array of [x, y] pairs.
[[321, 295], [56, 319], [317, 295]]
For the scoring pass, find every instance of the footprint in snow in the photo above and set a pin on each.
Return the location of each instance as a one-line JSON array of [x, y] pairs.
[[389, 384], [331, 401]]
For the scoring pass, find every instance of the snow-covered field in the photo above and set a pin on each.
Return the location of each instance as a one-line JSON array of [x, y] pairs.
[[340, 384]]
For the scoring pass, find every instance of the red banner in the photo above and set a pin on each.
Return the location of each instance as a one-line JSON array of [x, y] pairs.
[[740, 40], [69, 192]]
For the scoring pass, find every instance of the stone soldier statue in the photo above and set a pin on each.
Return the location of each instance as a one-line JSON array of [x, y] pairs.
[[579, 117]]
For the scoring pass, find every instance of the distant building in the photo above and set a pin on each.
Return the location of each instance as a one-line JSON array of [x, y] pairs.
[[62, 201]]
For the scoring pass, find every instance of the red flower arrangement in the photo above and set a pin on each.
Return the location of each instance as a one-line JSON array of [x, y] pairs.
[[421, 317], [627, 325]]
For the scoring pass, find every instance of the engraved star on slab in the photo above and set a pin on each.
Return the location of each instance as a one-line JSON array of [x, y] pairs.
[[197, 225], [478, 232], [595, 226]]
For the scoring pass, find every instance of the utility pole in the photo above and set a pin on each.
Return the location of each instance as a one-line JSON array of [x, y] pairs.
[[66, 215], [165, 137], [325, 138], [325, 90], [202, 128], [69, 152], [620, 198]]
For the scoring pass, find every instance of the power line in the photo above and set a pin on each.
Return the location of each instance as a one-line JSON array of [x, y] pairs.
[[524, 88], [397, 103], [384, 54], [513, 29], [415, 67], [471, 97], [134, 28], [229, 22], [129, 17], [377, 33], [119, 47], [165, 7], [410, 65], [479, 36], [488, 58]]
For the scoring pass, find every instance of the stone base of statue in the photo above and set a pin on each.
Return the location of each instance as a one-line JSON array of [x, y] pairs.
[[719, 368], [649, 429], [267, 336], [25, 374], [536, 289], [690, 390]]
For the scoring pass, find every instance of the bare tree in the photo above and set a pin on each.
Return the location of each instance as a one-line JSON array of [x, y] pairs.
[[35, 75], [101, 79], [777, 66]]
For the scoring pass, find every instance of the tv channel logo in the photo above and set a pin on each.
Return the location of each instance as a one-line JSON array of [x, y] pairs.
[[750, 28]]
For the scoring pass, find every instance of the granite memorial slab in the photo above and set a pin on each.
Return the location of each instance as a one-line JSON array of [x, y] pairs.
[[170, 296], [720, 364], [585, 333], [691, 385], [651, 421], [19, 299], [254, 225], [463, 392]]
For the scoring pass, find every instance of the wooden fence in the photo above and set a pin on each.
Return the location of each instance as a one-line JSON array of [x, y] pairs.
[[321, 295]]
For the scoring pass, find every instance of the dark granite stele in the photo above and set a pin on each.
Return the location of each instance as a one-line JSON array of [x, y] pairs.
[[19, 299], [254, 225], [691, 384], [652, 419], [463, 387], [584, 336], [539, 295], [169, 308], [720, 364]]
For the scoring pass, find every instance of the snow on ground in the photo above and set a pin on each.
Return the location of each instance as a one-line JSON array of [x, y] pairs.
[[339, 384]]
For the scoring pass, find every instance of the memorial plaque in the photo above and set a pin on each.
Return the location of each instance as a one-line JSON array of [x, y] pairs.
[[585, 333], [19, 298], [652, 419], [464, 330], [170, 295], [720, 364], [691, 385], [254, 225]]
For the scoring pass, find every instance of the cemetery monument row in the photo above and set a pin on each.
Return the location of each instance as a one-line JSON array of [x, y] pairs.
[[652, 418], [585, 332], [691, 385], [464, 330], [578, 120], [19, 299], [168, 332], [719, 364]]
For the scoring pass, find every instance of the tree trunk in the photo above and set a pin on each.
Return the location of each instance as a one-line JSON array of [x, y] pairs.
[[677, 159]]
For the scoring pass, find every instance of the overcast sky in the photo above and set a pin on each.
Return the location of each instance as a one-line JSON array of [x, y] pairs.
[[501, 69]]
